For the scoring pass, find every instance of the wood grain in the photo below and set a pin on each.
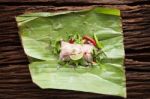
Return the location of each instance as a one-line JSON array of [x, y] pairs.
[[74, 2], [15, 80]]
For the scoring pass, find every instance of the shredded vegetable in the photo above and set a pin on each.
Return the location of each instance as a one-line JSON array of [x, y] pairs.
[[78, 50]]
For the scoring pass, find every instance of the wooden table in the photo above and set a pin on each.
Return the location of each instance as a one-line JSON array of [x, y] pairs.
[[15, 80]]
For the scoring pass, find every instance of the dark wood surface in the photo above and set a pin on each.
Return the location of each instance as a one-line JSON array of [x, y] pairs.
[[15, 80]]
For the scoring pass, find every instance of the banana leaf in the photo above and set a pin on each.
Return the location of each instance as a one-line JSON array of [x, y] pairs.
[[36, 30]]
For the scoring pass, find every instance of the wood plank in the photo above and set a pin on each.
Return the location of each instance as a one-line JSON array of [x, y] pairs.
[[73, 2], [16, 82]]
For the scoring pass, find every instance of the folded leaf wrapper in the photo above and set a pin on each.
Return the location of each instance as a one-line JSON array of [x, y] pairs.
[[37, 29]]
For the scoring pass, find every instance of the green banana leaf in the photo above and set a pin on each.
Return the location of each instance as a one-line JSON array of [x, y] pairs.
[[36, 30]]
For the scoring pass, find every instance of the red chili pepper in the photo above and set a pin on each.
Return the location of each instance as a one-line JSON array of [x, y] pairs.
[[71, 41], [90, 39]]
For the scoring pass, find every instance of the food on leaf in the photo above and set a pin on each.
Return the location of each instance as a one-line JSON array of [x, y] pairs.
[[75, 50], [72, 51]]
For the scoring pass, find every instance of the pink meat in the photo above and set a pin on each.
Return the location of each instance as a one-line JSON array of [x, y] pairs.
[[67, 49], [87, 52]]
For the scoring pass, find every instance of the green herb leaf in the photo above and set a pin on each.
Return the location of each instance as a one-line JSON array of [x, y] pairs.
[[99, 45]]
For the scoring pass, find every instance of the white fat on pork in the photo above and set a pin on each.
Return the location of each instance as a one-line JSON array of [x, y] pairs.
[[68, 49]]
